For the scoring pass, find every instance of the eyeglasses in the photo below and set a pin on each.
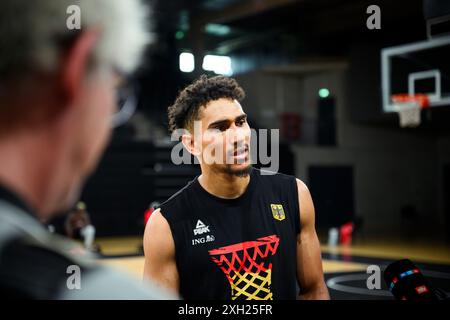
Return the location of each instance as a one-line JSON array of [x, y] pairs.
[[127, 104]]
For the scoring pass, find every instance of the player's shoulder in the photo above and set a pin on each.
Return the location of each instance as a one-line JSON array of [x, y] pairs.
[[267, 176], [281, 181], [179, 201], [180, 194]]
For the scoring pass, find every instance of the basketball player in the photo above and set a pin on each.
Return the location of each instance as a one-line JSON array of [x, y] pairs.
[[232, 232]]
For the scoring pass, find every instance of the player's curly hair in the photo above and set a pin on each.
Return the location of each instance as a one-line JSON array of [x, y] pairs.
[[187, 105]]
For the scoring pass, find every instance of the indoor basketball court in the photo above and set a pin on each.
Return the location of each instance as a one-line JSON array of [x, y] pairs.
[[338, 113]]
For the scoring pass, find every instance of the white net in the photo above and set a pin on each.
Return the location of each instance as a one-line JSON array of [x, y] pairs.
[[409, 114]]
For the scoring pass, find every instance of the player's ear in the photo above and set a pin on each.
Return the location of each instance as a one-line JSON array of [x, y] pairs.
[[189, 143], [75, 63]]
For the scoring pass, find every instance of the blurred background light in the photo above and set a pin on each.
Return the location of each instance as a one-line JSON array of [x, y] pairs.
[[187, 62], [217, 64]]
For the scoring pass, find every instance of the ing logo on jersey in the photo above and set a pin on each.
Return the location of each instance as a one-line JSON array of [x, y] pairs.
[[277, 212], [248, 267]]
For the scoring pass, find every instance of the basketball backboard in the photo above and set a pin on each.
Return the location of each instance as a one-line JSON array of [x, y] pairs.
[[420, 69]]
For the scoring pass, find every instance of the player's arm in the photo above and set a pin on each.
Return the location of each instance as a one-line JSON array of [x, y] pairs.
[[159, 249], [309, 260]]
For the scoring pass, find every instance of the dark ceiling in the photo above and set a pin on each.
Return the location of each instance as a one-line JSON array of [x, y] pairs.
[[267, 33], [229, 26]]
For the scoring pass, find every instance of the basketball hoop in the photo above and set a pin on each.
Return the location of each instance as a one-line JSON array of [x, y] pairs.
[[248, 268], [409, 107]]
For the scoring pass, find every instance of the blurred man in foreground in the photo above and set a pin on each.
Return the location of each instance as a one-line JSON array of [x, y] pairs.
[[57, 99]]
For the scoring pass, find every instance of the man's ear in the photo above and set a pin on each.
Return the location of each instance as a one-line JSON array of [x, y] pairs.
[[75, 64], [189, 144]]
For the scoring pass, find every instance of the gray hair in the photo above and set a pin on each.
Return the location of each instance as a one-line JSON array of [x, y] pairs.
[[33, 33]]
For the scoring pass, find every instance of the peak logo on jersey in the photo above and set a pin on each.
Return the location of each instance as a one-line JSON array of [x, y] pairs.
[[201, 228], [277, 212]]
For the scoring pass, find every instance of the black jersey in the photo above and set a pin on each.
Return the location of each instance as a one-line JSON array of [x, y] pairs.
[[243, 248]]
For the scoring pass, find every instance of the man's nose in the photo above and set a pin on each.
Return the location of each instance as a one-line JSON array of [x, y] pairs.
[[237, 134]]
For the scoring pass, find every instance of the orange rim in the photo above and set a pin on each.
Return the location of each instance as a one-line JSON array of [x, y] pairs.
[[420, 98]]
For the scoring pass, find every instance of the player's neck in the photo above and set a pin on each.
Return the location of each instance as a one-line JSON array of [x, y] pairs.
[[224, 185]]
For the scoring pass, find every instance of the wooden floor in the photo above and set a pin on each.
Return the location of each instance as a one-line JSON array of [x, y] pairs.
[[120, 246], [132, 265], [429, 253], [135, 265], [389, 250]]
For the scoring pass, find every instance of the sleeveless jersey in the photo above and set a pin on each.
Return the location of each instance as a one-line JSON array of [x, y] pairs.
[[243, 248]]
